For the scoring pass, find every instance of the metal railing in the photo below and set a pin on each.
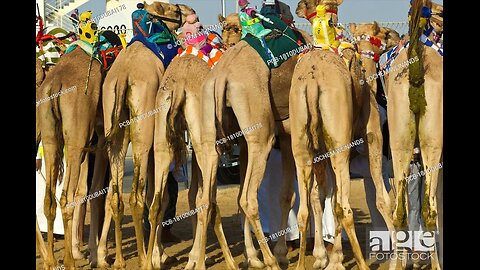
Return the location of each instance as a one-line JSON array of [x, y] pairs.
[[52, 16], [58, 4], [400, 27]]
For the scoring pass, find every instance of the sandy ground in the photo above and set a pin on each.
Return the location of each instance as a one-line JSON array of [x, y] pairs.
[[230, 219]]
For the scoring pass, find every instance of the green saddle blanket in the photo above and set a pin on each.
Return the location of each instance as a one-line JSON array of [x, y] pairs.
[[281, 47], [85, 46]]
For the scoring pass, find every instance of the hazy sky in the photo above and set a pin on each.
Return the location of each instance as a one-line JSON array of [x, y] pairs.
[[350, 11]]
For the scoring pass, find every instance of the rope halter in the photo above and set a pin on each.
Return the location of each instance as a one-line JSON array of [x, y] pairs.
[[375, 42]]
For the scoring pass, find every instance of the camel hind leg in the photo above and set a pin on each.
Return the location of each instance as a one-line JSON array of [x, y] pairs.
[[77, 223], [337, 132], [374, 141], [140, 154], [430, 132], [401, 123], [342, 209], [250, 252], [102, 249], [141, 136], [216, 221], [75, 159], [299, 122], [191, 112], [116, 154], [163, 157], [52, 161], [259, 142], [317, 195]]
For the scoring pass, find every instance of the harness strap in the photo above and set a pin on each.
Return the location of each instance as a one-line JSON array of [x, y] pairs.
[[308, 16], [107, 53], [371, 55]]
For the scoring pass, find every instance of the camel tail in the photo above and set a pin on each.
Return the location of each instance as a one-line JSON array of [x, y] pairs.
[[313, 130], [55, 114], [177, 125], [220, 87], [416, 72], [114, 91], [314, 125]]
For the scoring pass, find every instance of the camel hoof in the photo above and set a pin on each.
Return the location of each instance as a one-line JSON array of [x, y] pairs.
[[320, 263], [191, 265], [157, 264], [100, 263], [255, 263], [49, 266], [146, 266], [78, 255], [119, 264]]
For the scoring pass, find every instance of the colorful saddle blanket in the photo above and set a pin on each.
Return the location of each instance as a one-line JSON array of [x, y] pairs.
[[51, 45], [104, 51], [387, 59], [155, 35], [210, 53], [279, 48], [165, 52]]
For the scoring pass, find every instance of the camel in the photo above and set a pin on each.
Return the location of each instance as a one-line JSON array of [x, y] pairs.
[[40, 73], [243, 82], [372, 41], [308, 117], [315, 130], [183, 92], [129, 90], [62, 124], [232, 30], [415, 114]]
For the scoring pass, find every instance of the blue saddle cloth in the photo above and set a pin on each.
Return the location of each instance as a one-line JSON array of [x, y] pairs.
[[165, 52]]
